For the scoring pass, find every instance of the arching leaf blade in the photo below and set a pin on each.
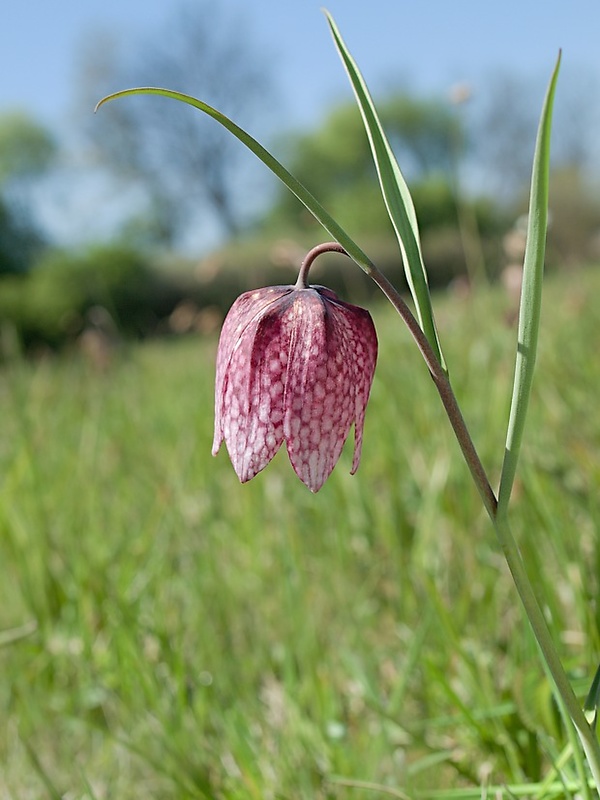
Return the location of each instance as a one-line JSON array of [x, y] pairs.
[[294, 185], [396, 195], [531, 295]]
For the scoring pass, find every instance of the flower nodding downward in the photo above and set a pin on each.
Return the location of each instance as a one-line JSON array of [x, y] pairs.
[[294, 364]]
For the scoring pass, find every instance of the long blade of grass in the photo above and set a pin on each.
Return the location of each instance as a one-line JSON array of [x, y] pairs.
[[8, 637], [396, 195], [577, 755], [592, 701], [504, 791], [531, 295], [368, 786], [297, 188]]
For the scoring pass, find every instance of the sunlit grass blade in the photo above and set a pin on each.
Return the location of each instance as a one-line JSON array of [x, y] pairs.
[[8, 637], [297, 188], [592, 701], [505, 791], [396, 195], [585, 791], [369, 786], [531, 295]]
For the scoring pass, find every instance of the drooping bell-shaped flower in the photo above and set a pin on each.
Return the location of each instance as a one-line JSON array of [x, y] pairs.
[[294, 364]]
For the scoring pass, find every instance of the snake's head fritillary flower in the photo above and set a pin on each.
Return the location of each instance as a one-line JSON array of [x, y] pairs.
[[294, 364]]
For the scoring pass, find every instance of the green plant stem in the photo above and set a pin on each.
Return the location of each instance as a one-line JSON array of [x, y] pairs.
[[541, 632], [438, 373], [501, 525], [578, 756], [442, 384]]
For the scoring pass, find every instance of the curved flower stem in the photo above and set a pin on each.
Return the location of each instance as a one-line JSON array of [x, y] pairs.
[[326, 247], [440, 378], [543, 637]]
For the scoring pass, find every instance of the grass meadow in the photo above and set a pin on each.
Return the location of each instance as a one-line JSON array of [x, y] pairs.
[[168, 633]]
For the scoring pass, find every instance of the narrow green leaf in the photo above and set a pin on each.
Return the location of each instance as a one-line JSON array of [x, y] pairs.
[[301, 192], [396, 195], [531, 295], [592, 701]]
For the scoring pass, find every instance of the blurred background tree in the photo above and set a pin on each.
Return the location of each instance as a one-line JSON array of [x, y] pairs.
[[167, 208], [430, 139], [334, 161], [27, 150], [190, 171]]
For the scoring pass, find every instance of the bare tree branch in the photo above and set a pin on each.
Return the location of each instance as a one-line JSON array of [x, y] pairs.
[[186, 164]]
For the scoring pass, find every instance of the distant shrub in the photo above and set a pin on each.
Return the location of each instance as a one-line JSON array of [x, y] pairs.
[[50, 305]]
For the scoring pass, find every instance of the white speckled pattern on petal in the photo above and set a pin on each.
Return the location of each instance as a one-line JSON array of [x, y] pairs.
[[238, 331], [294, 365]]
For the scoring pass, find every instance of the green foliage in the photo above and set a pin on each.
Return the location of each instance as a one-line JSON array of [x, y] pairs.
[[334, 162], [530, 306], [26, 151], [574, 219], [165, 631], [400, 209], [20, 241], [51, 303], [426, 134], [26, 147]]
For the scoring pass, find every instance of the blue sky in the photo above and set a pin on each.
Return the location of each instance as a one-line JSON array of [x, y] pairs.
[[427, 45], [431, 43]]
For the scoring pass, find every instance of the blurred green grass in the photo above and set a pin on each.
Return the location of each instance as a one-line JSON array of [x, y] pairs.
[[165, 632]]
